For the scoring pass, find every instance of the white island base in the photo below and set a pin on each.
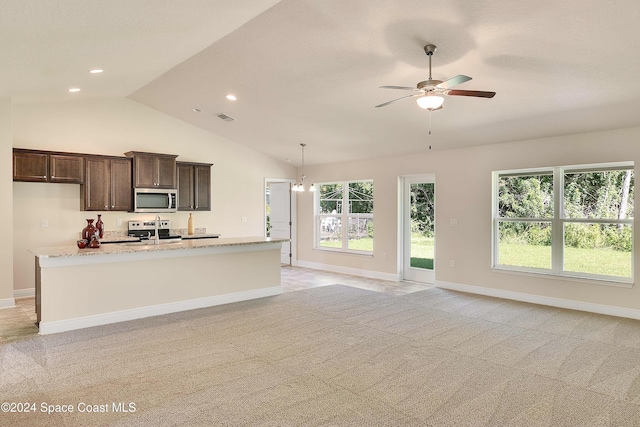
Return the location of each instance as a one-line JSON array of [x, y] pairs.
[[90, 287]]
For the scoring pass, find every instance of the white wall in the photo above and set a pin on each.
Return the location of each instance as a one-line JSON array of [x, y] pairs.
[[113, 127], [463, 192], [6, 215]]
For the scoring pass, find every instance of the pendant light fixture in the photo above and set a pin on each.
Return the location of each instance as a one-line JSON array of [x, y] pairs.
[[299, 186]]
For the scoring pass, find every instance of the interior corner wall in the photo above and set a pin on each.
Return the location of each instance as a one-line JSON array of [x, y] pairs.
[[113, 127], [463, 192], [6, 215]]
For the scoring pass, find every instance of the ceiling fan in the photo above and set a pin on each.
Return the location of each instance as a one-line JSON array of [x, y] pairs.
[[429, 92]]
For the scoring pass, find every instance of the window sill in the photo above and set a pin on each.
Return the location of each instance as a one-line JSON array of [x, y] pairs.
[[344, 252], [620, 283]]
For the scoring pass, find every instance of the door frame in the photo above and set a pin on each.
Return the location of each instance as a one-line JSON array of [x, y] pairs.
[[294, 229], [403, 240]]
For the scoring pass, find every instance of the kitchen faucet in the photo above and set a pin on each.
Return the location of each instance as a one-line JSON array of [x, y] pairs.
[[157, 225]]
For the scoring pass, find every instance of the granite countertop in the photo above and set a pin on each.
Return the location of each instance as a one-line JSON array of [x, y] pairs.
[[134, 246]]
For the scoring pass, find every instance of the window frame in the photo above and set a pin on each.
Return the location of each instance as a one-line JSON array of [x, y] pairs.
[[558, 222], [343, 216]]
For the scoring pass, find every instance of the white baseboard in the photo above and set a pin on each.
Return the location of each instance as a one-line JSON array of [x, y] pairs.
[[156, 310], [7, 303], [348, 270], [24, 293], [542, 300]]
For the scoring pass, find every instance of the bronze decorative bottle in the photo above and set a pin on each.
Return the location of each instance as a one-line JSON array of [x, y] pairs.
[[100, 226]]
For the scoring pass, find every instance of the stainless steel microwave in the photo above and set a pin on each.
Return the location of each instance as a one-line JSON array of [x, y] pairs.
[[155, 200]]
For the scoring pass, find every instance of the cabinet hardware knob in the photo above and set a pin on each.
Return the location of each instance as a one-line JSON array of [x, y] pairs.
[[44, 176], [113, 206], [106, 207]]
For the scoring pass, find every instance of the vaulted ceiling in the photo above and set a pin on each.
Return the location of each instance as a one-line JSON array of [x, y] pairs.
[[309, 71]]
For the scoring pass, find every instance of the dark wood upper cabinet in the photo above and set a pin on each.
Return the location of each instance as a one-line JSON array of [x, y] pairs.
[[185, 187], [30, 166], [121, 193], [152, 170], [45, 166], [194, 186], [107, 184], [97, 184], [64, 168]]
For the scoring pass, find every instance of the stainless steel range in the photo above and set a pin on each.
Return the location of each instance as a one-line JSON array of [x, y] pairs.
[[147, 229]]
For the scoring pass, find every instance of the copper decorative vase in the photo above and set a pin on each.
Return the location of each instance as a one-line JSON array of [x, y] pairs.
[[94, 243], [89, 231], [100, 226]]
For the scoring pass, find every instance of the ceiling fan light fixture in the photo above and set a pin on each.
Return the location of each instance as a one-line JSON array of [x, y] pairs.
[[430, 101]]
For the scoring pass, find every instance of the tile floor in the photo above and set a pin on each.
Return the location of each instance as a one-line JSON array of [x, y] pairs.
[[19, 322]]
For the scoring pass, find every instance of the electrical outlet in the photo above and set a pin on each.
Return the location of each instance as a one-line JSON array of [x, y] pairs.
[[453, 222], [119, 222], [243, 219], [452, 263], [44, 223]]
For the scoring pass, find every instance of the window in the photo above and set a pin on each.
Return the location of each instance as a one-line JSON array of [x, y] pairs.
[[344, 203], [569, 221]]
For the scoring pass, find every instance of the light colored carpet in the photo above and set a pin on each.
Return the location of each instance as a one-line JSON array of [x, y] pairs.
[[337, 356]]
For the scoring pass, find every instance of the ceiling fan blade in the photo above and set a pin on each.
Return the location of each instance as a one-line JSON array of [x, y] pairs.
[[477, 93], [453, 81], [398, 99], [398, 87]]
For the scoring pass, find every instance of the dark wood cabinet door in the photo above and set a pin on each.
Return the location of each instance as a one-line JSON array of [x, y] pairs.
[[202, 190], [145, 170], [121, 190], [185, 187], [68, 169], [166, 172], [97, 184], [30, 166]]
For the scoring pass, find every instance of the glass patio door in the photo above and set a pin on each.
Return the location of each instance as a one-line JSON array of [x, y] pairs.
[[419, 234]]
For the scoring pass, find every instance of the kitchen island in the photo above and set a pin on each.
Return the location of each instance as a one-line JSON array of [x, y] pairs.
[[78, 288]]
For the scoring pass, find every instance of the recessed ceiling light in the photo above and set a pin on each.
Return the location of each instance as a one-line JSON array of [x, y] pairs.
[[96, 71], [231, 97], [196, 110], [74, 89]]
